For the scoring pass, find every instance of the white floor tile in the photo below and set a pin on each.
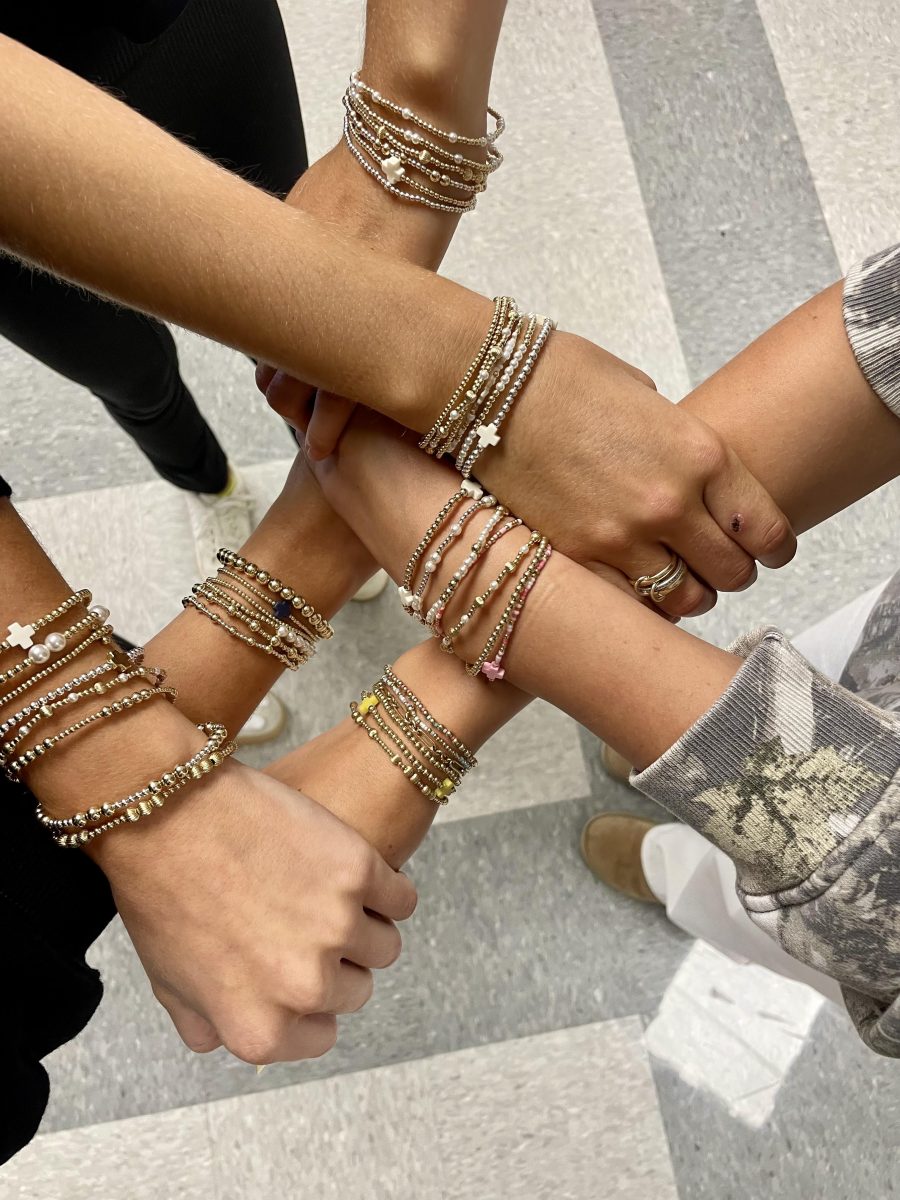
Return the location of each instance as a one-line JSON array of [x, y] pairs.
[[839, 69], [164, 1156]]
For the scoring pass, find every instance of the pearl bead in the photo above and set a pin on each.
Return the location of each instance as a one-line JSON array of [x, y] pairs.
[[452, 137], [453, 414], [376, 96], [55, 642], [99, 611], [39, 653], [406, 113], [283, 631], [457, 158], [456, 527]]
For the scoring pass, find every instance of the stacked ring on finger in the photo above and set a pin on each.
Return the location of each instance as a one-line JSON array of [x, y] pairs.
[[665, 581]]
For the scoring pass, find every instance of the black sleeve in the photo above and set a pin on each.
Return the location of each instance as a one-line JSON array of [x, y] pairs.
[[53, 904]]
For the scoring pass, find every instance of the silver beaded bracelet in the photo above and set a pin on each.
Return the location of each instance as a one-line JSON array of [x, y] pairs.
[[409, 160]]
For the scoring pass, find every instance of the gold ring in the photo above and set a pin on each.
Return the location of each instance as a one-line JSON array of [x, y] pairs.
[[663, 583]]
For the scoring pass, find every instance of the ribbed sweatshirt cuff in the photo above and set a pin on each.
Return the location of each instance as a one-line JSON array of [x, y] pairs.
[[780, 769], [872, 321]]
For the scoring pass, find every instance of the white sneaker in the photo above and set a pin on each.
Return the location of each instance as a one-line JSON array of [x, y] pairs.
[[218, 520], [265, 723], [373, 587]]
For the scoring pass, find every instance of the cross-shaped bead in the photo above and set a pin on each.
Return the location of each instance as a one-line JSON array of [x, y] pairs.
[[393, 168], [20, 635], [493, 671], [487, 435]]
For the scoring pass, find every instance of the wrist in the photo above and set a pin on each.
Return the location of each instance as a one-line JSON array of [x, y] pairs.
[[312, 549]]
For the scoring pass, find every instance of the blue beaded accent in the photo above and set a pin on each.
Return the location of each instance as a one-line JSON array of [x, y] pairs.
[[282, 609]]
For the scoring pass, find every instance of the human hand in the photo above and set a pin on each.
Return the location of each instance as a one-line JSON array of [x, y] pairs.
[[337, 190], [613, 473], [257, 915]]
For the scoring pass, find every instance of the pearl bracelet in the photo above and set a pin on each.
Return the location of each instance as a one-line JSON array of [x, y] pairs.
[[22, 636], [46, 706], [103, 634], [55, 643], [110, 665]]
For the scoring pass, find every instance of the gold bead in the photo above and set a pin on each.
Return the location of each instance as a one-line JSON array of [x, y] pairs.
[[133, 814], [94, 814], [146, 807]]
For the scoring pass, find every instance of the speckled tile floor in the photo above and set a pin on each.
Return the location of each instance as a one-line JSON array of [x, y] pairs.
[[680, 176]]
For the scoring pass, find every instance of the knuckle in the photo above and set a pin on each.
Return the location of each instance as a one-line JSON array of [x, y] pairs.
[[689, 600], [666, 507], [393, 946], [774, 535], [615, 541], [740, 577], [710, 454], [367, 987], [256, 1044], [310, 991], [323, 1038], [408, 902]]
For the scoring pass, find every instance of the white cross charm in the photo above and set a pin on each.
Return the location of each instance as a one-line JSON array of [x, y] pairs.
[[393, 168], [487, 435], [21, 635]]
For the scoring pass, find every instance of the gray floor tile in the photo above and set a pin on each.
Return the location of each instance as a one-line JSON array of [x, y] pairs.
[[733, 210], [580, 247], [832, 1135], [365, 1136], [165, 1156], [550, 1117], [840, 75], [512, 937]]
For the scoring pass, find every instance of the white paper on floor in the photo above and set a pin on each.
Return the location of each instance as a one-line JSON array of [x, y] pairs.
[[732, 1029]]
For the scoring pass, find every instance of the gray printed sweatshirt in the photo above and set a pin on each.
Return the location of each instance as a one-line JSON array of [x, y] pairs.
[[796, 778]]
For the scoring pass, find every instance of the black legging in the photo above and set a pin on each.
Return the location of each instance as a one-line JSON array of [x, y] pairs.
[[220, 78]]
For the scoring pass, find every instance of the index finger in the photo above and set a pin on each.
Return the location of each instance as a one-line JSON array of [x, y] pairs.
[[391, 893], [744, 510]]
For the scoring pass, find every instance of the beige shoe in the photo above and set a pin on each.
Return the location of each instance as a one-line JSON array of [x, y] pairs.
[[265, 723], [372, 588], [611, 847]]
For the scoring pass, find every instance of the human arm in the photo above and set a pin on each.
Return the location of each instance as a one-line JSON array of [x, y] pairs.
[[256, 965], [437, 59], [102, 197]]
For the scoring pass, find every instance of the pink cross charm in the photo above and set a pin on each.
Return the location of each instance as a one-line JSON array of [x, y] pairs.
[[493, 671]]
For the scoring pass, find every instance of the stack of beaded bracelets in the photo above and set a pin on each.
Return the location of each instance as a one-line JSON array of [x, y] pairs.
[[407, 161], [471, 419], [525, 566], [427, 752], [273, 617], [83, 827]]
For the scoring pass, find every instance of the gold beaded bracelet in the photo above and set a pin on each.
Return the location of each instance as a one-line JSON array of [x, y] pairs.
[[445, 751], [91, 824], [46, 706], [103, 635], [285, 640], [135, 657], [14, 768], [285, 599]]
